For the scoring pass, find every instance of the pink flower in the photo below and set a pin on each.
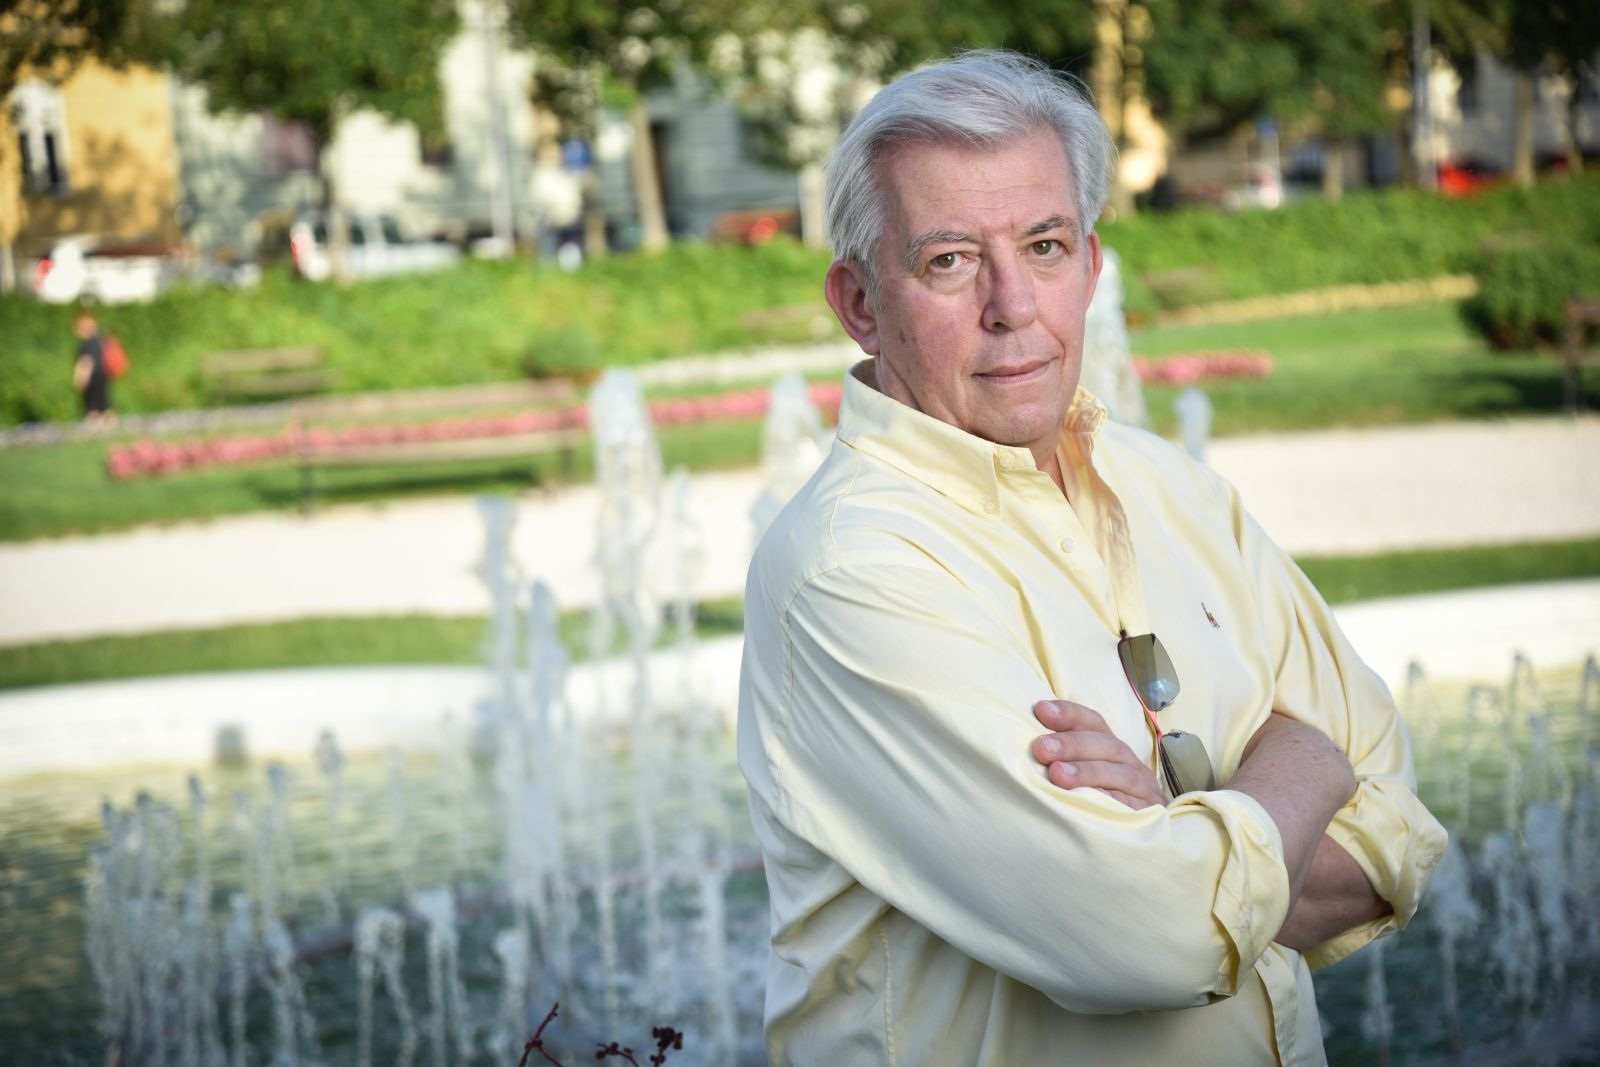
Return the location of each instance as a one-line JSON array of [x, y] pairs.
[[1195, 366]]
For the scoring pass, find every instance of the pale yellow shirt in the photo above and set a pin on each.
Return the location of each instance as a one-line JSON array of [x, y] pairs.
[[935, 899]]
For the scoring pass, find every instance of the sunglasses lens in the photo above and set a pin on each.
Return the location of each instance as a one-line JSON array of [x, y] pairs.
[[1185, 764], [1149, 670]]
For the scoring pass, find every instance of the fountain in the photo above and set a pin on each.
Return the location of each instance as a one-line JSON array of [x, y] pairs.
[[1194, 412], [1107, 365], [1519, 883], [606, 880], [793, 442]]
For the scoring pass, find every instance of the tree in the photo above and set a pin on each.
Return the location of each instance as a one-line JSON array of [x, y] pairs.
[[801, 70], [1532, 37], [1316, 66], [634, 47], [1347, 58], [51, 36], [798, 90], [313, 62]]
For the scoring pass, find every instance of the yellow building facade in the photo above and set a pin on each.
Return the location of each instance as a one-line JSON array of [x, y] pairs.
[[94, 154]]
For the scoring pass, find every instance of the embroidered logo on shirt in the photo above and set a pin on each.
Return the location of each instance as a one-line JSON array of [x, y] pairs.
[[1212, 619]]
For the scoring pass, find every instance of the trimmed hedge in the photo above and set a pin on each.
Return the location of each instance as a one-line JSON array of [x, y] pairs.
[[1523, 293], [1371, 236]]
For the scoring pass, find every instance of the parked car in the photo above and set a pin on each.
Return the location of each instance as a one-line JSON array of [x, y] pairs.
[[376, 247], [92, 269], [89, 269], [1468, 176], [1259, 186]]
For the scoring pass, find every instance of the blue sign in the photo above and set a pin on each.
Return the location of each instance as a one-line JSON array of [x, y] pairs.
[[575, 155]]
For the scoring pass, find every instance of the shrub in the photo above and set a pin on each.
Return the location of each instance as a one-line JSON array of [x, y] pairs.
[[1524, 289], [573, 351], [1199, 254]]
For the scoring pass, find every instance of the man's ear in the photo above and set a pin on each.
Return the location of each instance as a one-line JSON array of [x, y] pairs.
[[846, 289], [1096, 261]]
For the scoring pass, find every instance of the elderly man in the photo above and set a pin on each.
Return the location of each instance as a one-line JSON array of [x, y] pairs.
[[999, 653]]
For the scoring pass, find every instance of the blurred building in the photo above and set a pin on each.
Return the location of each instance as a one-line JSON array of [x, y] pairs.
[[95, 154], [708, 161], [1472, 141], [1474, 116]]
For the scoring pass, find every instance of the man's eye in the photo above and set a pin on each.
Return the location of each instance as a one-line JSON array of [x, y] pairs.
[[1045, 247], [944, 261]]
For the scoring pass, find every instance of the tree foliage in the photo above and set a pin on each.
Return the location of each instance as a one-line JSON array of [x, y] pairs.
[[49, 36], [801, 70], [1321, 65], [314, 61], [1557, 36]]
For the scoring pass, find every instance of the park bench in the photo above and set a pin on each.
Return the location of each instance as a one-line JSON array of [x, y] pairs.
[[265, 373], [1583, 318], [316, 452]]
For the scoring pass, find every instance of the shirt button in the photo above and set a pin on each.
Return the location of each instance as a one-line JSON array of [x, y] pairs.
[[990, 507], [1067, 544]]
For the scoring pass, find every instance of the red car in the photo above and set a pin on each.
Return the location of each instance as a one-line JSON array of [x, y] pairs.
[[1467, 177]]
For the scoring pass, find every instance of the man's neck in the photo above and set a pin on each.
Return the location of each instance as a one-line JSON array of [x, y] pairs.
[[1050, 463]]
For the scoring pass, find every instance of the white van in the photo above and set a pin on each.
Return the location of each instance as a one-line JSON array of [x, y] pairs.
[[93, 270]]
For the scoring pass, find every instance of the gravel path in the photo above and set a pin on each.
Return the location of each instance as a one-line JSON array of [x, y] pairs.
[[1326, 493]]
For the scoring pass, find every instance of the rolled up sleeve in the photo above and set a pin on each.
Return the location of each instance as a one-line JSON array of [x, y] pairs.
[[896, 723], [1322, 681]]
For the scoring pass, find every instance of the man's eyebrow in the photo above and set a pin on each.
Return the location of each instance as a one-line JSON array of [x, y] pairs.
[[921, 241], [1059, 222]]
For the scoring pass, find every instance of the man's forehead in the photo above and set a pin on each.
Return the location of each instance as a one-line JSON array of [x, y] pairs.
[[957, 187]]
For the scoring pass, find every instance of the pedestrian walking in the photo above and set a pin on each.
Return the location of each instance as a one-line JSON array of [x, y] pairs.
[[91, 374]]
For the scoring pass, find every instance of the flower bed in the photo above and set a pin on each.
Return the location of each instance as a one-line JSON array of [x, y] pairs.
[[1192, 367], [149, 457]]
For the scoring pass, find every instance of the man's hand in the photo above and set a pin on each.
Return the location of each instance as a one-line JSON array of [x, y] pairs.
[[1082, 751]]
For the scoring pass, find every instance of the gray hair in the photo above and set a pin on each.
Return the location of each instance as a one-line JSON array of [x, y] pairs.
[[979, 98]]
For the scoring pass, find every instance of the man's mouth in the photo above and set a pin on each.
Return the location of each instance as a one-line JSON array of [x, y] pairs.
[[1016, 373]]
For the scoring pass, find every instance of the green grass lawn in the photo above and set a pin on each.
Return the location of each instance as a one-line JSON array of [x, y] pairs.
[[1361, 368], [459, 640]]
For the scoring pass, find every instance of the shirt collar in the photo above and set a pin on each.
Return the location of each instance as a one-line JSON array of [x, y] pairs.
[[952, 461]]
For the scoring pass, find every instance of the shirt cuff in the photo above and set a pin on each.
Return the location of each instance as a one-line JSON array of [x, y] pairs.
[[1397, 844], [1252, 898]]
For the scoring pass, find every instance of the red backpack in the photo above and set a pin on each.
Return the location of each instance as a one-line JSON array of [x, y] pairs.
[[116, 356]]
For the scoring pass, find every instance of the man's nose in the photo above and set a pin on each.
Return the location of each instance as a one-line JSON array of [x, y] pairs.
[[1009, 303]]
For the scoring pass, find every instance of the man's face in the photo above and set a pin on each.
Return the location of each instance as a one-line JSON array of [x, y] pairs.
[[985, 278]]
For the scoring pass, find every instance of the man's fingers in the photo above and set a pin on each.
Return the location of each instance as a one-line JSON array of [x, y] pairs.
[[1081, 745], [1066, 715], [1134, 786], [1081, 750]]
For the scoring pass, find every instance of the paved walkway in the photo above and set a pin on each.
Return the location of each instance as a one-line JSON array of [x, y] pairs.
[[1327, 493], [1470, 634]]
